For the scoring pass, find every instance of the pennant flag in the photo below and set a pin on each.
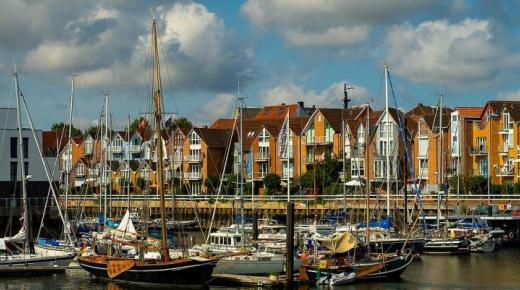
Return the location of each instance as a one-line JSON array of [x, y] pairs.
[[169, 122], [282, 138], [142, 125]]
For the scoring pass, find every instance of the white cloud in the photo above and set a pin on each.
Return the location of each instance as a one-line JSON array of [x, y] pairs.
[[463, 53], [221, 106], [327, 22], [509, 96], [331, 96]]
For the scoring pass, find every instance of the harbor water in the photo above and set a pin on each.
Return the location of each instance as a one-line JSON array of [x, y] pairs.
[[499, 270]]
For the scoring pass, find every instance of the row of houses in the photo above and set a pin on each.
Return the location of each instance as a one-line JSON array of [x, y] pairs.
[[425, 145]]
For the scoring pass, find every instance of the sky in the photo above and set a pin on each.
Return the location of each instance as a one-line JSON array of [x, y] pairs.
[[275, 51]]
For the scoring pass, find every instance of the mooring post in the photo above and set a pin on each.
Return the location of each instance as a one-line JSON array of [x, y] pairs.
[[255, 225], [290, 244]]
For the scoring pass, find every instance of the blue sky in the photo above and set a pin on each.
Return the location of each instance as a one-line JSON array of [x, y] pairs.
[[279, 51]]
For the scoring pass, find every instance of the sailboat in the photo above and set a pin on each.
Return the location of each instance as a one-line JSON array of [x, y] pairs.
[[194, 270], [23, 259]]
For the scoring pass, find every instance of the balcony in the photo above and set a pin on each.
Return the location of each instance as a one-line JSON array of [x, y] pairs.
[[506, 170], [503, 149], [193, 158], [257, 176], [176, 158], [116, 149], [478, 150], [194, 176], [504, 131], [423, 132], [287, 156], [319, 140], [517, 149], [262, 156], [135, 148]]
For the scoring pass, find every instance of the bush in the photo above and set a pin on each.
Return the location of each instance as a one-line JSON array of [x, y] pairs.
[[327, 173], [477, 184], [272, 183]]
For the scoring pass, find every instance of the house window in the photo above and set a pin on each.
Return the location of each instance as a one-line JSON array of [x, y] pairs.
[[88, 146], [263, 152], [117, 143], [26, 168], [423, 166], [145, 173], [507, 122], [13, 170], [195, 187], [361, 135], [423, 147], [507, 141], [379, 168], [481, 144], [358, 167], [482, 167], [80, 170], [125, 172], [288, 167], [264, 136], [310, 134], [14, 147], [264, 169], [383, 148], [194, 139], [329, 133], [25, 147], [310, 155]]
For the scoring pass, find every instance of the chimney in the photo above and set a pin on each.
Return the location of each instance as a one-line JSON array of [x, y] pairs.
[[300, 103]]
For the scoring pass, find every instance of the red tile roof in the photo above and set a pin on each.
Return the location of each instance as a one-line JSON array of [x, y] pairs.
[[470, 112]]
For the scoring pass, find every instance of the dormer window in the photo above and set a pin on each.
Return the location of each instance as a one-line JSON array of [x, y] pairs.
[[263, 136], [507, 122]]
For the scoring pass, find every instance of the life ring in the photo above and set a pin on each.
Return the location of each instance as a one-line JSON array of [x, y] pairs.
[[511, 235]]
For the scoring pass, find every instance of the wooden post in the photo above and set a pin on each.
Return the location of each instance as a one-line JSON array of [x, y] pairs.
[[255, 225], [290, 244]]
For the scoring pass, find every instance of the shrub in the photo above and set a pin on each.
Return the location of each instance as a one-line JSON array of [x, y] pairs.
[[272, 183]]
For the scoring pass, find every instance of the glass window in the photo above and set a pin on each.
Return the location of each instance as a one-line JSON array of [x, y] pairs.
[[25, 147], [194, 139], [13, 171], [14, 147]]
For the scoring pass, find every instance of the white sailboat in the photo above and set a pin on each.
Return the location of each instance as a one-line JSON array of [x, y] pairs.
[[23, 259]]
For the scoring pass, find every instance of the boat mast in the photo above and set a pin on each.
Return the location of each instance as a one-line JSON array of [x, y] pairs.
[[165, 255], [106, 161], [241, 167], [67, 169], [22, 166], [387, 127], [288, 160], [367, 179], [440, 163]]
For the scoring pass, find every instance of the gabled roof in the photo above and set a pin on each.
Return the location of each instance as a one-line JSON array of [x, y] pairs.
[[278, 112], [513, 107], [51, 144], [470, 112], [216, 138], [222, 124], [422, 110]]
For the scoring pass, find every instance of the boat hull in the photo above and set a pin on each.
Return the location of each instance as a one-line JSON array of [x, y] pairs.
[[396, 245], [190, 272], [446, 247], [36, 264]]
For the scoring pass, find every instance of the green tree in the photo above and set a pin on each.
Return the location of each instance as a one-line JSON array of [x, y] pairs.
[[211, 183], [272, 183], [62, 127], [477, 184], [327, 173]]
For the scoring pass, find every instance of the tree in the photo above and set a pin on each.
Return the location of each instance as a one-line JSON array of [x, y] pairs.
[[477, 184], [327, 173], [272, 183], [211, 183], [62, 127]]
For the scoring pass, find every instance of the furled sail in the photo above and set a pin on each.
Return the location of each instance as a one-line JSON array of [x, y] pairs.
[[339, 242]]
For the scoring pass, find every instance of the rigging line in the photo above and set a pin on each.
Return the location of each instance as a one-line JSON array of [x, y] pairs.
[[403, 137], [6, 119], [170, 82]]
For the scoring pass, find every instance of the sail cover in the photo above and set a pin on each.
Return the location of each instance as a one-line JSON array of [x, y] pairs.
[[126, 224], [339, 242], [18, 238]]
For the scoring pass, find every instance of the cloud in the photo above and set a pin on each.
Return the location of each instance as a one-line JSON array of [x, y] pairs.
[[108, 46], [509, 96], [221, 106], [327, 22], [459, 54], [331, 96]]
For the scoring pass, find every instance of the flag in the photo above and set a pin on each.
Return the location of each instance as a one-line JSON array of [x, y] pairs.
[[142, 125], [169, 122], [282, 138], [249, 163]]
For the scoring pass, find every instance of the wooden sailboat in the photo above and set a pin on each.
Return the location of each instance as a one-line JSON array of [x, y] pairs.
[[182, 271]]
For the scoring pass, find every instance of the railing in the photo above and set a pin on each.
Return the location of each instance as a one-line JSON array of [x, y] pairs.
[[194, 175], [319, 140], [177, 158], [517, 149], [423, 132], [17, 202], [288, 155], [478, 150], [258, 176], [193, 158], [301, 198], [261, 156], [503, 130], [503, 149], [506, 170], [116, 148], [135, 148]]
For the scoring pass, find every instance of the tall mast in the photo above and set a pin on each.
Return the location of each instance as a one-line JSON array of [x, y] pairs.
[[157, 104], [367, 178], [241, 167], [288, 160], [387, 121], [22, 166], [69, 157], [440, 151], [106, 161]]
